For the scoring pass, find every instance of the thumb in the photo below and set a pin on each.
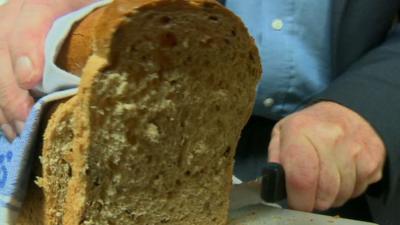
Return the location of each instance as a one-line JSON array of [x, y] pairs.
[[14, 101], [28, 37]]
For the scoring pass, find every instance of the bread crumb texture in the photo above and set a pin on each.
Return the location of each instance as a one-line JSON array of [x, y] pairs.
[[150, 137]]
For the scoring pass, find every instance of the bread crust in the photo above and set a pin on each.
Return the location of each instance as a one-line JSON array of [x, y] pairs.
[[95, 31]]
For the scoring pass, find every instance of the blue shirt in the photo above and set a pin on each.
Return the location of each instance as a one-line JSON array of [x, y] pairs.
[[293, 37]]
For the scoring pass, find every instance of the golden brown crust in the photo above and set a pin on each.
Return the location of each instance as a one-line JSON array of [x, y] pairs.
[[79, 44], [102, 23]]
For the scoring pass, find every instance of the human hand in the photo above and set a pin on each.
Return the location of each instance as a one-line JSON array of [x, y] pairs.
[[330, 154], [24, 25]]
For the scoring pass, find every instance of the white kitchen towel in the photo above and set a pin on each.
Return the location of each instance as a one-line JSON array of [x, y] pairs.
[[16, 157]]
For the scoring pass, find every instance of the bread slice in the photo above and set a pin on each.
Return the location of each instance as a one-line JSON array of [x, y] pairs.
[[52, 166], [55, 161], [150, 137]]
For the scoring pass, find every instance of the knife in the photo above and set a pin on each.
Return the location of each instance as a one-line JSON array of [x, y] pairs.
[[269, 188], [251, 203]]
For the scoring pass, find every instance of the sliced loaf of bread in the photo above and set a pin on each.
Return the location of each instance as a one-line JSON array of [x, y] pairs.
[[167, 86]]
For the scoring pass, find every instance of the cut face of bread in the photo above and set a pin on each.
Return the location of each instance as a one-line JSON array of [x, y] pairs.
[[58, 140], [151, 135], [46, 192]]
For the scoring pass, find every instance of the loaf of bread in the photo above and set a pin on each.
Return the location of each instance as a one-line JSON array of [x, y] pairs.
[[166, 88]]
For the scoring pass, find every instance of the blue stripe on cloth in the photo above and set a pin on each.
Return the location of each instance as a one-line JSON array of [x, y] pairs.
[[16, 158]]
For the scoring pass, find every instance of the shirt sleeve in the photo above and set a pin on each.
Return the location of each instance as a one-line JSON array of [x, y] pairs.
[[371, 87]]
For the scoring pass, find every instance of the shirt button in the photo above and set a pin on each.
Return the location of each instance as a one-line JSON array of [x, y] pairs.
[[268, 102], [277, 24]]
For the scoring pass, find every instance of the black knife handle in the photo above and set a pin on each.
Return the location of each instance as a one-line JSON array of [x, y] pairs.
[[273, 186]]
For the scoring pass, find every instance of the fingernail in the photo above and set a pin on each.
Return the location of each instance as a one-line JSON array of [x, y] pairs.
[[20, 126], [9, 132], [23, 68]]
